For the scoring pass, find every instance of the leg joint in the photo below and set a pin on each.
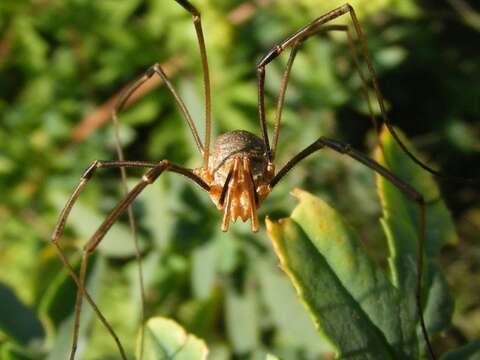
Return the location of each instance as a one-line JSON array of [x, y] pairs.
[[272, 54], [418, 197], [320, 143], [155, 68], [335, 145], [91, 169], [154, 173], [165, 164], [189, 7], [347, 148]]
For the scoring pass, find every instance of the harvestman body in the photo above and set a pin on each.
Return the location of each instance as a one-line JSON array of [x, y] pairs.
[[239, 176], [239, 173]]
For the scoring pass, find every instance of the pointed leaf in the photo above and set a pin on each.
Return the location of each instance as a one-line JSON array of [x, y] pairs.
[[348, 295]]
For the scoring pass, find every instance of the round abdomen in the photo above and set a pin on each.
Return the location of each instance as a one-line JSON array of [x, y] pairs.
[[238, 143]]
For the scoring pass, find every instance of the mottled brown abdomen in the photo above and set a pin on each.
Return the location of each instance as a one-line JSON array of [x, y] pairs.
[[238, 143]]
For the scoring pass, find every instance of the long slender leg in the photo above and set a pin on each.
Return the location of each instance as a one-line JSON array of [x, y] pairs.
[[277, 50], [120, 155], [120, 104], [88, 174], [206, 75], [85, 178], [283, 87], [304, 32], [205, 150], [95, 240], [281, 99], [156, 170], [136, 242], [97, 311], [384, 115], [408, 190], [99, 234], [152, 70]]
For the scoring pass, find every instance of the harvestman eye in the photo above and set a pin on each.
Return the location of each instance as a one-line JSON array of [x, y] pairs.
[[239, 173]]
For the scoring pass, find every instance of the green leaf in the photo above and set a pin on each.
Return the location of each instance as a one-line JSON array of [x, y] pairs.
[[349, 297], [293, 323], [165, 339], [400, 222], [439, 305], [373, 315], [440, 229], [271, 357], [17, 320]]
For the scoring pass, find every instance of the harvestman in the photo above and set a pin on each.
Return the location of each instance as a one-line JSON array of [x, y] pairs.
[[240, 173]]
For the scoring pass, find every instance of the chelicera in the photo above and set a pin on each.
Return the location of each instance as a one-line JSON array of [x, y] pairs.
[[239, 173], [239, 176]]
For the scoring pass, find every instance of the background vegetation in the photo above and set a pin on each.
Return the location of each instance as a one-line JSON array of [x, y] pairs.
[[62, 61]]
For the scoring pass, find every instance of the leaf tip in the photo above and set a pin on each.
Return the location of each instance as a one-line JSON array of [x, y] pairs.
[[298, 193]]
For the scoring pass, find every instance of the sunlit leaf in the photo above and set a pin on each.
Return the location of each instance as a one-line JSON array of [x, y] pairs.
[[165, 339], [315, 242], [349, 297]]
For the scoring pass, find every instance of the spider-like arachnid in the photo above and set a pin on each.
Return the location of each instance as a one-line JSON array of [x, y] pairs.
[[239, 173]]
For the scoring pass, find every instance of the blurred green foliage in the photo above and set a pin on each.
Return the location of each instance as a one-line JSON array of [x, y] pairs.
[[166, 339], [62, 59]]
